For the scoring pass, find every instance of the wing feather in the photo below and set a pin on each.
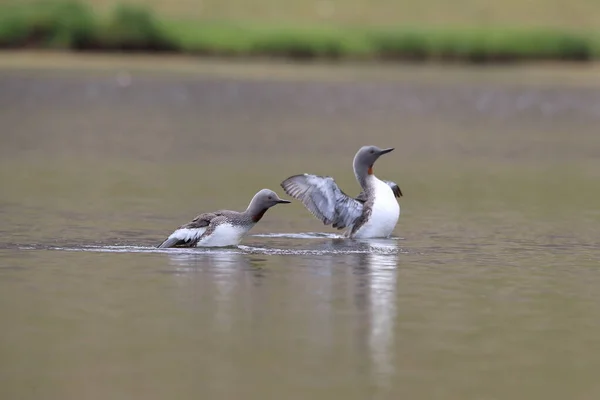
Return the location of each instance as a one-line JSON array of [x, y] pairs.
[[362, 197], [324, 199], [187, 235], [395, 188]]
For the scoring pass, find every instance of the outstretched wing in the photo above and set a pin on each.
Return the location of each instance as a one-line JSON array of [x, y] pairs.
[[188, 235], [395, 188], [362, 197], [324, 199]]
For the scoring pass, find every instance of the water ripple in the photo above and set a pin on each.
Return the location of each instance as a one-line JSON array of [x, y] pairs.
[[342, 246]]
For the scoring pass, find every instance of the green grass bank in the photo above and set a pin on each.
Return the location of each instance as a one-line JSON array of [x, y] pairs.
[[75, 26]]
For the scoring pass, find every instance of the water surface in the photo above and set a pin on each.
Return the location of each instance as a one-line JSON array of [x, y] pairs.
[[487, 289]]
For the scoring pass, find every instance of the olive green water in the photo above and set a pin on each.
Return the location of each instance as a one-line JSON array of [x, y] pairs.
[[489, 288]]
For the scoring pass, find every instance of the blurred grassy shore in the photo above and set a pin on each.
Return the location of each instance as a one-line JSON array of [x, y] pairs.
[[89, 26]]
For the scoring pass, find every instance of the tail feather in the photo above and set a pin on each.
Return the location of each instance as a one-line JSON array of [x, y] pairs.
[[183, 237], [169, 242]]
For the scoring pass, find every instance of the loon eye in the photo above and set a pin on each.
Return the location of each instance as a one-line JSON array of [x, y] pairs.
[[372, 151], [270, 198]]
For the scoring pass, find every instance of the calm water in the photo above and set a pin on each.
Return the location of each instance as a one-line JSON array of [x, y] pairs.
[[488, 289]]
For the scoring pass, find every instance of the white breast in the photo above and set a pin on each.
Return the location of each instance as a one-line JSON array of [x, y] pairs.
[[384, 214], [224, 235]]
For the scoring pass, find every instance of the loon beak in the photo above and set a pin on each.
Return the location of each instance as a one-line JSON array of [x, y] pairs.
[[281, 201], [385, 151]]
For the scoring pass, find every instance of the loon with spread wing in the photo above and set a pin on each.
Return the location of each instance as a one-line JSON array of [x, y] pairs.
[[372, 214]]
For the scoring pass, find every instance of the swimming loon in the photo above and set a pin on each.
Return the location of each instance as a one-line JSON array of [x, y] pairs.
[[223, 227]]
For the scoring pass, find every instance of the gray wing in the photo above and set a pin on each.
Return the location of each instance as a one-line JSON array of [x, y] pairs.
[[187, 235], [324, 199], [362, 197], [395, 188], [201, 221]]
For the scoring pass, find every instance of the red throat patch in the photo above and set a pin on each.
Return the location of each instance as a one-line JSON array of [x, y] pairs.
[[370, 170], [257, 217]]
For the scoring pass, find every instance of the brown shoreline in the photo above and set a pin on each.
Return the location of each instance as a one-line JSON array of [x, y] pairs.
[[568, 73]]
